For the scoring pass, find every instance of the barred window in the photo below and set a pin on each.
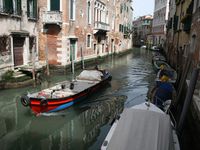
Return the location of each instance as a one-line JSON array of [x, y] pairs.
[[4, 45], [88, 40], [32, 9], [10, 6]]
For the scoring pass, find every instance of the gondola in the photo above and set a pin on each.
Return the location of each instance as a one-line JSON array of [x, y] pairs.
[[65, 94]]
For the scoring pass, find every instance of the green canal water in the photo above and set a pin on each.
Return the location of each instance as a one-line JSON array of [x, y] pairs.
[[84, 125]]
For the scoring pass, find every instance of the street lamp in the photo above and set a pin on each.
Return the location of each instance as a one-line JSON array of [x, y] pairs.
[[46, 51]]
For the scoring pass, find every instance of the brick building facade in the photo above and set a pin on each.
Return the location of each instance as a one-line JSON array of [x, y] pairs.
[[142, 30], [180, 33], [71, 29]]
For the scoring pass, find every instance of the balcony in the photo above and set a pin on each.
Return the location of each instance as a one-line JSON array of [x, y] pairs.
[[52, 17], [101, 26]]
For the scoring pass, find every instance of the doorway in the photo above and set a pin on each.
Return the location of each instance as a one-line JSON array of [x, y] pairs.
[[72, 49], [18, 49]]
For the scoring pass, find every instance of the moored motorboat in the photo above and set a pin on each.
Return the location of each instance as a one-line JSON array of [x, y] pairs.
[[142, 127], [143, 47], [158, 56], [65, 94], [158, 63], [167, 71]]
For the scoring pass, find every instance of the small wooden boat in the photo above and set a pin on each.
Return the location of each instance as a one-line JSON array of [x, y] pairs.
[[158, 63], [143, 47], [65, 94], [155, 48], [158, 56], [142, 127], [172, 78], [165, 70]]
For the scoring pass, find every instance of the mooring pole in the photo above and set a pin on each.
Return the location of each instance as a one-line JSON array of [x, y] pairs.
[[72, 62], [188, 99], [33, 60], [46, 52], [82, 59]]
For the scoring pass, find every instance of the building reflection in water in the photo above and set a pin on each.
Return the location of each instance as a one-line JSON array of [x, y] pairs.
[[76, 128]]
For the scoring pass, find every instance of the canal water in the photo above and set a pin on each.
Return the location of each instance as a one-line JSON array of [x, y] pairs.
[[84, 125]]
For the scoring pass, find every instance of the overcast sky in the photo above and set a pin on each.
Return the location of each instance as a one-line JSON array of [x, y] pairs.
[[142, 7]]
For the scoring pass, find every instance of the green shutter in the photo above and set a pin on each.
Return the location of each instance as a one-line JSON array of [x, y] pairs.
[[55, 5], [18, 7], [175, 23], [28, 8], [8, 6], [34, 8]]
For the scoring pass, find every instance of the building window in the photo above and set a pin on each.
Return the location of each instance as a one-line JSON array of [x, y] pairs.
[[10, 6], [32, 42], [4, 45], [32, 9], [121, 8], [16, 7], [88, 40], [89, 12], [1, 6], [54, 5], [72, 9], [95, 47]]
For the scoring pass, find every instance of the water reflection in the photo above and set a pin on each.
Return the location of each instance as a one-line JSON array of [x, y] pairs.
[[75, 128]]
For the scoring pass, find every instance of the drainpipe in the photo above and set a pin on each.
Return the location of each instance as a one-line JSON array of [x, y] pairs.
[[72, 61]]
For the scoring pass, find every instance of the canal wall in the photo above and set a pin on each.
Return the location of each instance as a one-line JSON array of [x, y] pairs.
[[88, 63], [58, 69]]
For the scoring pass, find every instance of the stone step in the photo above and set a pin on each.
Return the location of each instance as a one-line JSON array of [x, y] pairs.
[[18, 74]]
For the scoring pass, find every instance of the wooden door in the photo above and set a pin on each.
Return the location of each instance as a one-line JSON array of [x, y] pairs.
[[18, 49]]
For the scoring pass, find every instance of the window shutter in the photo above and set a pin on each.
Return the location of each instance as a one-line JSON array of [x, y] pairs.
[[8, 6], [34, 8], [19, 7], [28, 8], [175, 23], [55, 5]]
